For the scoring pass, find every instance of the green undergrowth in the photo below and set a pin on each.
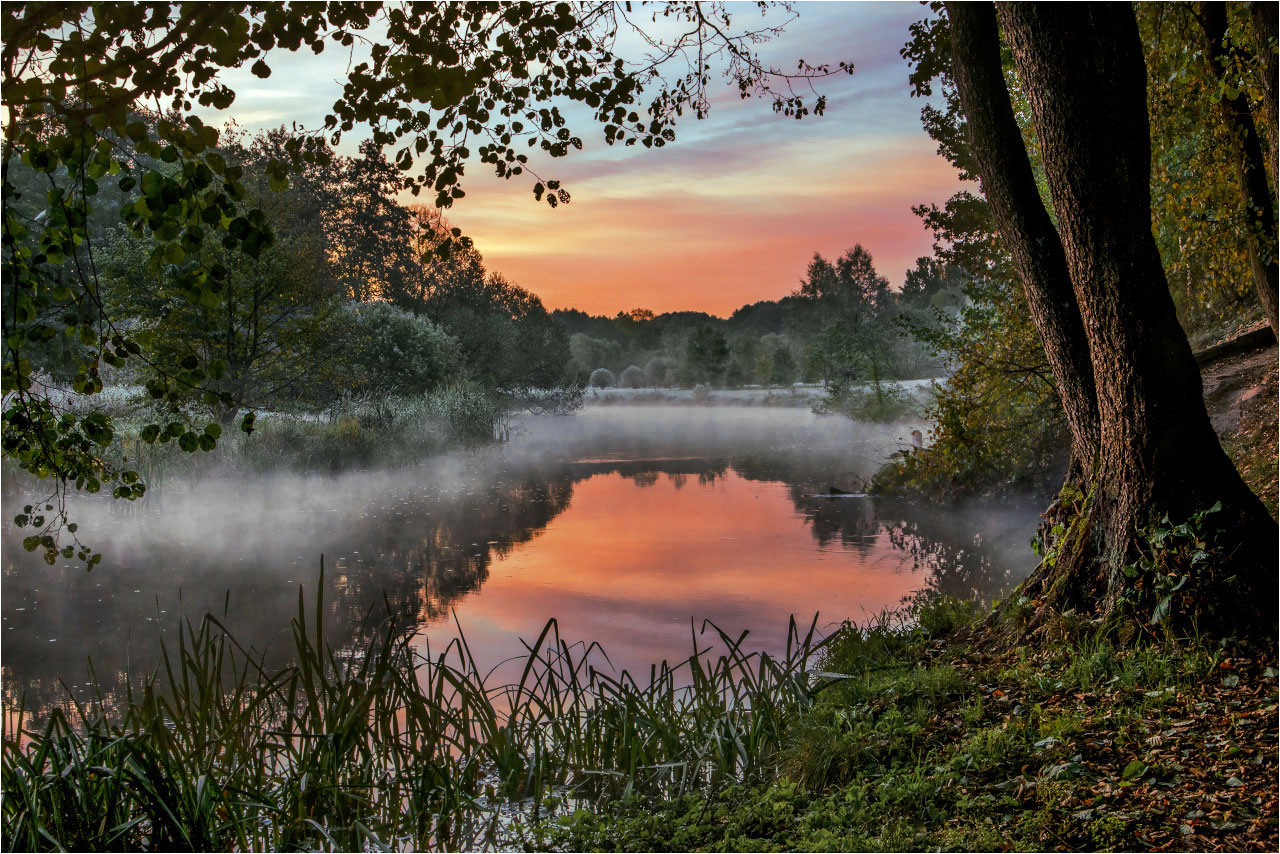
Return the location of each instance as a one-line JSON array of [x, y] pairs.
[[923, 738], [385, 746], [929, 729]]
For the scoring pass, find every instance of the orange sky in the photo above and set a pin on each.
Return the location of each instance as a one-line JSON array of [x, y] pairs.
[[668, 239], [728, 214]]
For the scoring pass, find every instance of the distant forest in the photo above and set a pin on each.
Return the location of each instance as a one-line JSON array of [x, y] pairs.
[[842, 325]]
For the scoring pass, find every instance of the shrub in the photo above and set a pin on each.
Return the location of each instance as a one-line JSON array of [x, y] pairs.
[[601, 378], [397, 353], [883, 402], [632, 377], [659, 371]]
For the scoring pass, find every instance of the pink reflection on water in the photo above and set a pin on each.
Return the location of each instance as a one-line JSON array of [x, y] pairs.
[[630, 566]]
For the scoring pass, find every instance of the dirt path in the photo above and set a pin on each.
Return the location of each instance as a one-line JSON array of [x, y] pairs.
[[1240, 390]]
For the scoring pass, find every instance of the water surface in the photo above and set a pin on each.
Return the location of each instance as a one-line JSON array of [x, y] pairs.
[[629, 524]]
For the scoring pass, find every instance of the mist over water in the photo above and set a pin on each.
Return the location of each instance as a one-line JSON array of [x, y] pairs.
[[629, 524]]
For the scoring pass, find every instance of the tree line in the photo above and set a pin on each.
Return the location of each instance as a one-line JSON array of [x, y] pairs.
[[842, 325]]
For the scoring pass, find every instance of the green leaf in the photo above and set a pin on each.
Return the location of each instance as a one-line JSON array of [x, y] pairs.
[[1134, 770]]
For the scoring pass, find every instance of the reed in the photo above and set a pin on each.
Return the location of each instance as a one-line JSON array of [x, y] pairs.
[[387, 747]]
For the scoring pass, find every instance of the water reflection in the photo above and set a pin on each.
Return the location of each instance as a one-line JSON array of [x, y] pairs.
[[624, 523]]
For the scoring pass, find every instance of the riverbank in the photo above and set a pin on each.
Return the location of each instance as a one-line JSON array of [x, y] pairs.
[[933, 732], [801, 395], [353, 432], [944, 738]]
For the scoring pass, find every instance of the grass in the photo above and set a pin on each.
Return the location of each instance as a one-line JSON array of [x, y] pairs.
[[385, 748], [918, 731], [932, 736], [355, 431]]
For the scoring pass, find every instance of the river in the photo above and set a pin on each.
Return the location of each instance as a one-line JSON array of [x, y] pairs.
[[629, 524]]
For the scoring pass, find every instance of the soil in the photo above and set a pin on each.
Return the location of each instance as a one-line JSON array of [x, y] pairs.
[[1240, 390]]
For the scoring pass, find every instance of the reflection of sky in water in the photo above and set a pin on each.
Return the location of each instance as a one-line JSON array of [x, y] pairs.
[[631, 563], [624, 523]]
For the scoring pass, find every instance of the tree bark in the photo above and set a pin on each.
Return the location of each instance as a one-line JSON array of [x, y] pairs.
[[1009, 185], [1265, 36], [1251, 172], [1083, 70]]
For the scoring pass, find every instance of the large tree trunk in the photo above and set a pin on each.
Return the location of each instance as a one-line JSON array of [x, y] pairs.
[[1263, 16], [1083, 71], [1256, 200], [1010, 189]]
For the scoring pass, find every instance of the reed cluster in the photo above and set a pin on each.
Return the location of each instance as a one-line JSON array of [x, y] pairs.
[[385, 746]]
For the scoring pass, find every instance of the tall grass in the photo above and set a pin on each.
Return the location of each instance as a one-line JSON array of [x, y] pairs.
[[385, 747]]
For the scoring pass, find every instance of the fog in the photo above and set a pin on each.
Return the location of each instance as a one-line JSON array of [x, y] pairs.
[[625, 522]]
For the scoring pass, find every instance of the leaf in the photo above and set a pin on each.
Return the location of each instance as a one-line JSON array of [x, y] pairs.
[[1161, 610], [1134, 770]]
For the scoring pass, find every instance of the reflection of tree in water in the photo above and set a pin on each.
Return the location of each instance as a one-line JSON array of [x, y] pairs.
[[969, 553], [978, 554], [422, 550], [850, 522], [454, 559], [645, 479]]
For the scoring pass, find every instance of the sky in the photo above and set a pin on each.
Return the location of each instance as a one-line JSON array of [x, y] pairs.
[[728, 214]]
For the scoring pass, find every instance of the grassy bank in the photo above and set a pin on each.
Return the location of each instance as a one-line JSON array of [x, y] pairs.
[[929, 739], [354, 431], [909, 734]]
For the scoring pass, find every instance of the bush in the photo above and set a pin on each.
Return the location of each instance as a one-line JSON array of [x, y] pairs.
[[397, 353], [660, 371], [632, 377], [602, 378], [877, 402]]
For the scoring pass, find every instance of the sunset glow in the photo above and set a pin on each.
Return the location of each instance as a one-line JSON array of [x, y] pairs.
[[728, 214]]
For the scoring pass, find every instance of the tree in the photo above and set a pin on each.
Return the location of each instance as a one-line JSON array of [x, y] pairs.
[[370, 233], [431, 277], [439, 77], [1201, 226], [507, 340], [929, 280], [706, 355], [1255, 195], [776, 365], [851, 306], [273, 330], [1155, 454]]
